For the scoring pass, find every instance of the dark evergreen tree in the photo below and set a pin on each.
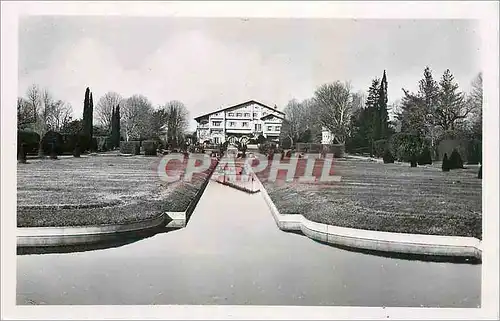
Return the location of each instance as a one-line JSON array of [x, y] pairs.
[[370, 119], [445, 166], [117, 126], [113, 128], [90, 116], [381, 115], [87, 125]]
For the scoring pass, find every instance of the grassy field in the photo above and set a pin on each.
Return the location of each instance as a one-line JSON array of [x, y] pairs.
[[386, 197], [96, 190]]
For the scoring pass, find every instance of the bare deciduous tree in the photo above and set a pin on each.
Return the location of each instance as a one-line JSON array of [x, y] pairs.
[[177, 122], [104, 108], [34, 97], [136, 113], [24, 112], [335, 103], [59, 115]]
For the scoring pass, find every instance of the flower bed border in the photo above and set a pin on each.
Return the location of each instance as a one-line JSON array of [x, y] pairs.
[[389, 242]]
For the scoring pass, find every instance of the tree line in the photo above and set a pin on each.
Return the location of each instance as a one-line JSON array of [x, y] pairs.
[[360, 120], [132, 118]]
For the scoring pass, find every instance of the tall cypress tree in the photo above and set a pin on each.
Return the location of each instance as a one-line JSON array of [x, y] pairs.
[[86, 122], [370, 117], [382, 127], [91, 120], [113, 129], [117, 126]]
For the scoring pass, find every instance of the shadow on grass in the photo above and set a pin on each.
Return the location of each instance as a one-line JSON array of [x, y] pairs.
[[401, 256], [114, 240]]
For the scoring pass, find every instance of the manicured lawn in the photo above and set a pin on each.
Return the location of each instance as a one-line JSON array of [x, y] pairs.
[[387, 197], [96, 190]]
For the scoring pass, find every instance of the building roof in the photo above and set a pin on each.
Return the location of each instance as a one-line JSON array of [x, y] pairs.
[[272, 115], [240, 105]]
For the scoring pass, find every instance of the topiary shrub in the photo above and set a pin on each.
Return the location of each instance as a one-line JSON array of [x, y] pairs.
[[445, 166], [379, 147], [149, 147], [53, 151], [413, 160], [30, 139], [77, 150], [480, 174], [94, 145], [21, 155], [388, 157], [52, 142], [130, 147], [456, 160], [425, 157]]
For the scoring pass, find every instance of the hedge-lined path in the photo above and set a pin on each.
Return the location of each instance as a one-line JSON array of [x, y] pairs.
[[232, 252]]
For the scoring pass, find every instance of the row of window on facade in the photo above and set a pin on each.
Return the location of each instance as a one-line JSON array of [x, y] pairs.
[[246, 115], [245, 124]]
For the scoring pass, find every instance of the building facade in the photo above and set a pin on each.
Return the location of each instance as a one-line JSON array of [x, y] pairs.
[[327, 137], [240, 123]]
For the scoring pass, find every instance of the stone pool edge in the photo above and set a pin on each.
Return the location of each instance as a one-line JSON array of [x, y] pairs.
[[402, 243]]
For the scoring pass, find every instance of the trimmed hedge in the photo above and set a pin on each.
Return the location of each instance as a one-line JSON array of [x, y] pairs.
[[149, 147], [130, 147], [30, 139]]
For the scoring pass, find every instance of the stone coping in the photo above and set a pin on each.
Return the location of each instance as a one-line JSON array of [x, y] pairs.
[[75, 235], [402, 243]]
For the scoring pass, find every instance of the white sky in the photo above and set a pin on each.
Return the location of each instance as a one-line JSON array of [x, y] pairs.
[[211, 62]]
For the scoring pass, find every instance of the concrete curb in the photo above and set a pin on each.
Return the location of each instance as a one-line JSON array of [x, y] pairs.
[[402, 243], [76, 235], [73, 235]]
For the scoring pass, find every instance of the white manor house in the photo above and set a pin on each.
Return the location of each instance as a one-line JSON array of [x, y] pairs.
[[240, 123]]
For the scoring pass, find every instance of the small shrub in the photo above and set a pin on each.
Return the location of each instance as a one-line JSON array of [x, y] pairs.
[[456, 160], [425, 157], [379, 147], [149, 147], [413, 161], [388, 157], [77, 150], [53, 151], [22, 153], [480, 174], [445, 166]]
